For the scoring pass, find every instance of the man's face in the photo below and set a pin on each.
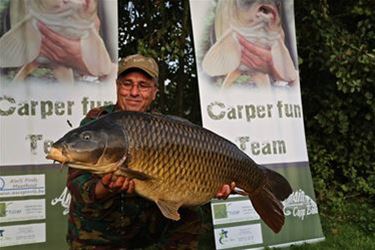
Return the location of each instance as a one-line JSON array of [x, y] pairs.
[[135, 91]]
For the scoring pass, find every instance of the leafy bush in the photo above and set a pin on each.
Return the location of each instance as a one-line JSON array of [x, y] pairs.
[[336, 46]]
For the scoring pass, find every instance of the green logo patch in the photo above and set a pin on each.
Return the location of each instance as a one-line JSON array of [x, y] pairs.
[[220, 211], [3, 209]]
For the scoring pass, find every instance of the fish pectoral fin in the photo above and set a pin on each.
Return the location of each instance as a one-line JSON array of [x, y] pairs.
[[169, 209], [283, 62], [224, 56], [95, 55], [20, 45], [231, 78], [134, 174]]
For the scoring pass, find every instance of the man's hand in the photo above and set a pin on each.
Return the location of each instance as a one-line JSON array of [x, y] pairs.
[[258, 58], [108, 184], [225, 191], [61, 50], [255, 57]]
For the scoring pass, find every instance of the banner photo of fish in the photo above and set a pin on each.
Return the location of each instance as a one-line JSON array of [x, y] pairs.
[[38, 34], [257, 26]]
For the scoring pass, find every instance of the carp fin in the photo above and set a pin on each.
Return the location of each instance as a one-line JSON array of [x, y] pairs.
[[169, 209], [231, 78], [278, 185], [63, 74], [25, 71], [177, 118], [283, 62], [224, 56], [95, 55], [269, 208], [135, 174], [20, 45], [267, 199]]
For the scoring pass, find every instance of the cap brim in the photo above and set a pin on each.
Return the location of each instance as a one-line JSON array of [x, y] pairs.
[[132, 68]]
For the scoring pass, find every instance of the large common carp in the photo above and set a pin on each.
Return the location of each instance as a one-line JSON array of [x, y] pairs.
[[173, 162]]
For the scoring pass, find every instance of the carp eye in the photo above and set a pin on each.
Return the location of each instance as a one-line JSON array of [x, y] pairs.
[[86, 136]]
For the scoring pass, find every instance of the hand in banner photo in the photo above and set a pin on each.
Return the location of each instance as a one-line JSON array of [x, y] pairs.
[[61, 50], [259, 59], [60, 35], [250, 47]]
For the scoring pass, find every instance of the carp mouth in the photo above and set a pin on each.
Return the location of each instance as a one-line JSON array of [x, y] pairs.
[[56, 154], [268, 10]]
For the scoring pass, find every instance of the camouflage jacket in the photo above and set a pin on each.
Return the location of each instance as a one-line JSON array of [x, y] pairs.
[[123, 221]]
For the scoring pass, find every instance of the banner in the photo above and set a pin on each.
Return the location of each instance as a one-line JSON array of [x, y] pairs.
[[250, 94], [58, 60]]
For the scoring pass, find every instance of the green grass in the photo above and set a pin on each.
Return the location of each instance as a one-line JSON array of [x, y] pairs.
[[346, 226]]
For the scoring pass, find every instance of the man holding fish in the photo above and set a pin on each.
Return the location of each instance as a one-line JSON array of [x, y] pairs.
[[104, 211]]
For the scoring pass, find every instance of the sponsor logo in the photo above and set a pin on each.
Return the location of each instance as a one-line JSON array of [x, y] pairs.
[[64, 200], [3, 209], [2, 183], [223, 235], [299, 205], [220, 211]]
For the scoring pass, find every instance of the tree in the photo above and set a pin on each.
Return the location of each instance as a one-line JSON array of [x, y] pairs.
[[162, 29]]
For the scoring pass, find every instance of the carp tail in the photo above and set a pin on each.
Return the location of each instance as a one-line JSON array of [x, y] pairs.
[[278, 185], [267, 200]]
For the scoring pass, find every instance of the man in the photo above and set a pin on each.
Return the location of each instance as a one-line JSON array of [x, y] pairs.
[[104, 211]]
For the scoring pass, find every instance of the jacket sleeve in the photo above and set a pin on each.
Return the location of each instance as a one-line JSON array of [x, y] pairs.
[[93, 114], [86, 120], [81, 185]]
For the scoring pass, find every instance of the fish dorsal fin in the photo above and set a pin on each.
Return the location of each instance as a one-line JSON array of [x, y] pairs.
[[224, 56], [177, 118], [134, 174], [169, 209], [20, 45], [95, 55]]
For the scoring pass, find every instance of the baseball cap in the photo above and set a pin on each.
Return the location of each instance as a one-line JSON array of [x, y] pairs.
[[147, 64]]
